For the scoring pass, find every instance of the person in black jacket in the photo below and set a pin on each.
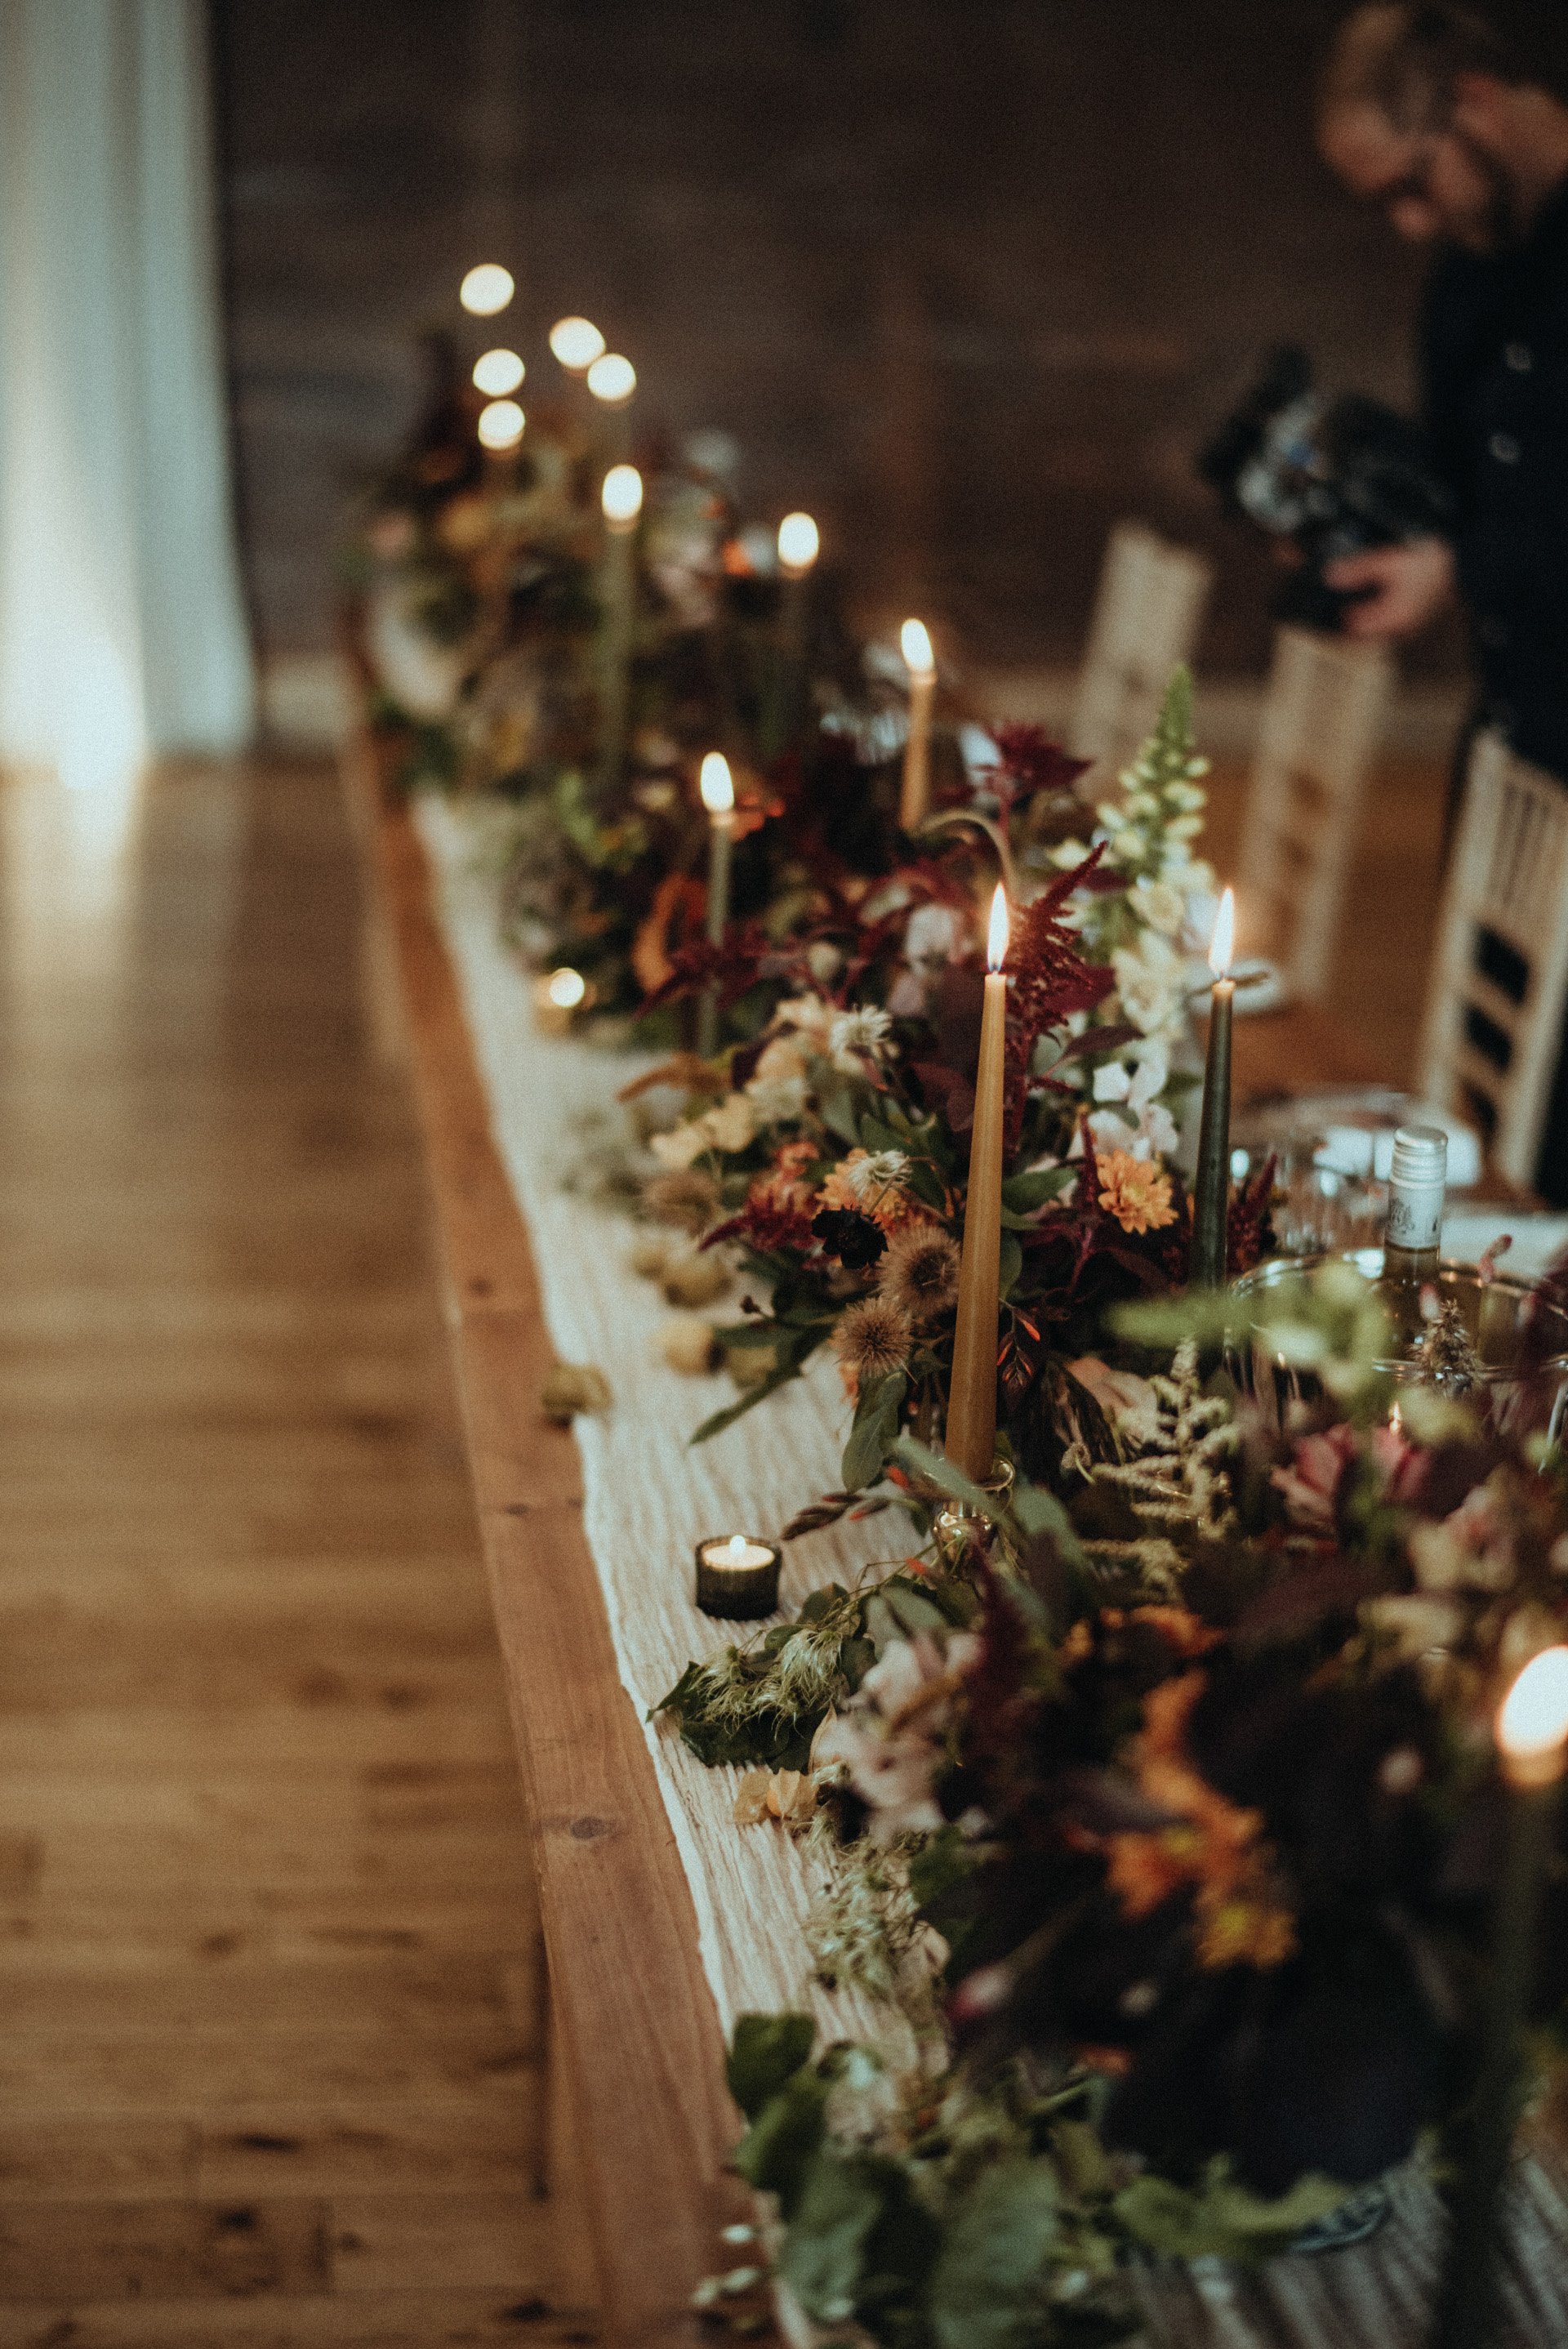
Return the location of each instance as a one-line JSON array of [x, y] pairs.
[[1424, 111]]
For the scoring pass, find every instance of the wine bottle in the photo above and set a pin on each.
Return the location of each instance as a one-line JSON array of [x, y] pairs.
[[1415, 1182]]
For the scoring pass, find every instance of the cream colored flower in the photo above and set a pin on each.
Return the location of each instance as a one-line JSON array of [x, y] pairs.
[[1149, 981], [732, 1124], [681, 1145], [1159, 905]]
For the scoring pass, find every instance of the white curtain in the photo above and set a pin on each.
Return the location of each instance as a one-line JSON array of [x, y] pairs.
[[121, 625]]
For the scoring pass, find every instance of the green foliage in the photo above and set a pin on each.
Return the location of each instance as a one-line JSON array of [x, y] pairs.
[[989, 2289], [764, 2054], [875, 1430], [1219, 2218], [764, 1703]]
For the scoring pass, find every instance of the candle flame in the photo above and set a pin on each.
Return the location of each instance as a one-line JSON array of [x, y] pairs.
[[621, 495], [914, 639], [1223, 946], [1532, 1719], [498, 372], [576, 343], [612, 379], [799, 543], [486, 290], [501, 424], [997, 947], [716, 785], [567, 989], [735, 1551]]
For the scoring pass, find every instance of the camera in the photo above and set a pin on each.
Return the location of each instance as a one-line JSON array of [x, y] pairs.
[[1333, 477]]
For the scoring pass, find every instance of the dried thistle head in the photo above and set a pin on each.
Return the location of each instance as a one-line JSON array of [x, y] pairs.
[[873, 1338], [686, 1198], [919, 1272]]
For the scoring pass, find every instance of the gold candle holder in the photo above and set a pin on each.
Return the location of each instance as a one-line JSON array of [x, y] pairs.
[[738, 1577]]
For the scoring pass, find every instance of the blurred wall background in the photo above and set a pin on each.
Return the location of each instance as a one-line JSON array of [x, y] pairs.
[[968, 278]]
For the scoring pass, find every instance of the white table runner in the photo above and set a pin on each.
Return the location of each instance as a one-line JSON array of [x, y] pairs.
[[649, 1498]]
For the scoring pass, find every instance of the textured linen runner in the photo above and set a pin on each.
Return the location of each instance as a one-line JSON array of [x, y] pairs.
[[649, 1498]]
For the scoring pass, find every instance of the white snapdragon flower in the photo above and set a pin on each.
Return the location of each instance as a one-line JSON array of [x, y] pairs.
[[1149, 981], [1159, 905], [1140, 1121]]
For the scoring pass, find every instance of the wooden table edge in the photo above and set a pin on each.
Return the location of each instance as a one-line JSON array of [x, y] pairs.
[[638, 2031]]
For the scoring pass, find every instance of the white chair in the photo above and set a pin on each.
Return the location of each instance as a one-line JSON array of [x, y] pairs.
[[1322, 717], [1150, 602], [1495, 998]]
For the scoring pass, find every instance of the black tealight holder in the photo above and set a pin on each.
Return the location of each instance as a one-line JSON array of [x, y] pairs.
[[738, 1577]]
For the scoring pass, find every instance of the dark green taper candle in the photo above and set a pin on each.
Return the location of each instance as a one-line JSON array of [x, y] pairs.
[[1212, 1191], [1532, 1732]]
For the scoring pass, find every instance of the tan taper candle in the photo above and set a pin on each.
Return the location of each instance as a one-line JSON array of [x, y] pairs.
[[914, 799], [971, 1442]]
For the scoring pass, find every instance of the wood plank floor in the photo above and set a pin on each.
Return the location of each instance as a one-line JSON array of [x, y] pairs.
[[269, 2048]]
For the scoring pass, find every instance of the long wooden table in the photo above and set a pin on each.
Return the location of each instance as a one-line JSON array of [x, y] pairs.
[[636, 2035]]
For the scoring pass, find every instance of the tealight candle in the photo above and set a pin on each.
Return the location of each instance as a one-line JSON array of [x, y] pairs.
[[914, 799], [718, 788], [1212, 1191], [622, 501], [1531, 1733], [737, 1577], [970, 1438]]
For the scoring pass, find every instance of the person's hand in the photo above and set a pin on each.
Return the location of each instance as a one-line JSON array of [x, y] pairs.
[[1411, 585]]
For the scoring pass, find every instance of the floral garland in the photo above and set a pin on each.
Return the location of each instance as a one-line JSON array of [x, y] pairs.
[[1199, 1852]]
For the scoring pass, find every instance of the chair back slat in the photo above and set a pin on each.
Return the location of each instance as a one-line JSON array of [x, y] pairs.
[[1493, 1020], [1147, 612], [1322, 717]]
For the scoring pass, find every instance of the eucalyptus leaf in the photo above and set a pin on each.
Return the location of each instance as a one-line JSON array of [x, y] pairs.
[[1023, 1193], [838, 2204], [989, 2290], [874, 1432], [1012, 1263], [936, 1469]]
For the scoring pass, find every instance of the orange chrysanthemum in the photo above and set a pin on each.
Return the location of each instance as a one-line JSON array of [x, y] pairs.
[[1136, 1190], [1210, 1845]]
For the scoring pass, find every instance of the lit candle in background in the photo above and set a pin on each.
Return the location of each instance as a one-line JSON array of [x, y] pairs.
[[914, 800], [498, 373], [1212, 1191], [971, 1434], [575, 343], [1532, 1732], [486, 289], [718, 788], [612, 380], [501, 425], [799, 543], [622, 501]]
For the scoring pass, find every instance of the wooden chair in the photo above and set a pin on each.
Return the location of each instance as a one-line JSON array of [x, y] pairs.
[[1323, 716], [1495, 999], [1146, 615]]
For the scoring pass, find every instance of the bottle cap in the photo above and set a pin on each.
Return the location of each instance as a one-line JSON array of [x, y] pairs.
[[1420, 1156]]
